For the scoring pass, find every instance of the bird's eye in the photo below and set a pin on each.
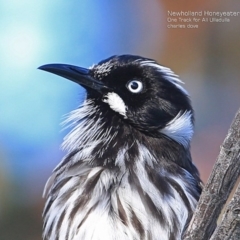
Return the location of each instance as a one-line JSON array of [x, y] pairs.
[[135, 86]]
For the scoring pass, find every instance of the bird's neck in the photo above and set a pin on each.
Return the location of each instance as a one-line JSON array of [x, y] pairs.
[[104, 139]]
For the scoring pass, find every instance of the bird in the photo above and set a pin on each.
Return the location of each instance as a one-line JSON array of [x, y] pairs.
[[128, 172]]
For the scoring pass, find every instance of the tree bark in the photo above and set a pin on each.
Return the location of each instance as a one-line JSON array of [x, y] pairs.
[[225, 173], [229, 229]]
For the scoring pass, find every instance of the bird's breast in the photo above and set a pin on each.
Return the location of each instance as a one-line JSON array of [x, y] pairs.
[[106, 204]]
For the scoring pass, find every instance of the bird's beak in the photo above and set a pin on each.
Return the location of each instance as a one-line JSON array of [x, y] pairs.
[[76, 74]]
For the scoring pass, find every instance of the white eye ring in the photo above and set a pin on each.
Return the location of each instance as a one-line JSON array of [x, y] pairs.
[[135, 86]]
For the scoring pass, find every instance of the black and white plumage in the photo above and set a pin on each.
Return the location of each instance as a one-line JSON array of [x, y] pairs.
[[128, 172]]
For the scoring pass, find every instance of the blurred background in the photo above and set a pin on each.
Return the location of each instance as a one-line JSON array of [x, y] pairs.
[[32, 102]]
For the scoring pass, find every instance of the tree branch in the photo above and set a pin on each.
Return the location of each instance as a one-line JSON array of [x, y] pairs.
[[230, 225], [219, 185]]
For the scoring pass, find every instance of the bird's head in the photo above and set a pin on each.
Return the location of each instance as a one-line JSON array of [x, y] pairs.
[[137, 90]]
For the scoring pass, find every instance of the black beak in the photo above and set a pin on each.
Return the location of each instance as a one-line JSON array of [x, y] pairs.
[[76, 74]]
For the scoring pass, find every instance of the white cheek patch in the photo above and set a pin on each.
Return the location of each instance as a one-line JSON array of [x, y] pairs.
[[180, 128], [115, 103]]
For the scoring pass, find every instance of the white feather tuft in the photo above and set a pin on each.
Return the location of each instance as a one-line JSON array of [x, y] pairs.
[[116, 103], [87, 132], [180, 128], [169, 75]]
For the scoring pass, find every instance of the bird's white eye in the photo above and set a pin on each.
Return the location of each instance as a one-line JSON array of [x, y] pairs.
[[135, 86]]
